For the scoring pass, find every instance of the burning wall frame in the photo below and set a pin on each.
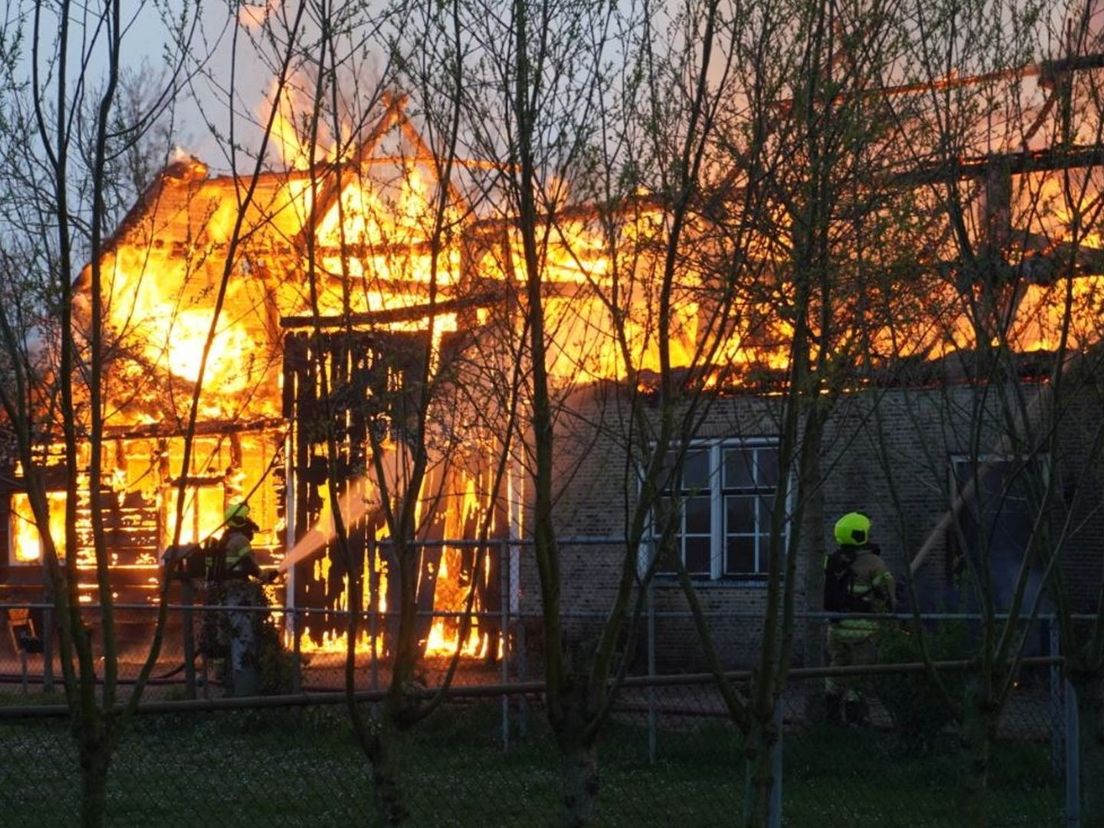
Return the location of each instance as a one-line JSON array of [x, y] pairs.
[[346, 393]]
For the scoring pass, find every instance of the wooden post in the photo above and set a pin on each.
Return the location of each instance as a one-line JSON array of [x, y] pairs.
[[652, 712]]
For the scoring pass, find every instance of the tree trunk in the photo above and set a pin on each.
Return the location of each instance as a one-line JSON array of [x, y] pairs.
[[95, 760], [814, 630], [978, 727], [580, 783], [1090, 726], [385, 777], [759, 782]]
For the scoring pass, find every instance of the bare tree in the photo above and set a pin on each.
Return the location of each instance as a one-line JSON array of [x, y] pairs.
[[89, 141], [815, 151], [1004, 153], [71, 125], [386, 412], [604, 125]]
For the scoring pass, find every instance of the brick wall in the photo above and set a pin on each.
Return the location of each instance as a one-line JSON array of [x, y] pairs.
[[886, 452]]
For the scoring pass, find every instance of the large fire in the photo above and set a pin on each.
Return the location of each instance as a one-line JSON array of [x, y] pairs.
[[346, 234]]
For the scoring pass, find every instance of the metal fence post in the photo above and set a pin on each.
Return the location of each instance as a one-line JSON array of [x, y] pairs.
[[776, 768], [651, 675], [48, 649], [522, 673], [373, 618], [187, 597], [296, 649], [521, 658], [1073, 760], [204, 678], [503, 643], [1057, 724]]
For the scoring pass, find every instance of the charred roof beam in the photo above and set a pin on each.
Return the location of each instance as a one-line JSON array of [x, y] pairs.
[[391, 315], [1009, 163]]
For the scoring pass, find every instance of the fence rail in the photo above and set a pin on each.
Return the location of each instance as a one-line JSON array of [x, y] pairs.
[[671, 752]]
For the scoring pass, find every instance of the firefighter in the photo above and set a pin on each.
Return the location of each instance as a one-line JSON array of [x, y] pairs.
[[237, 543], [856, 580], [237, 583]]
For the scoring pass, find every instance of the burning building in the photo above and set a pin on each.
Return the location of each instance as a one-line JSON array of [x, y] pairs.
[[227, 305], [290, 326]]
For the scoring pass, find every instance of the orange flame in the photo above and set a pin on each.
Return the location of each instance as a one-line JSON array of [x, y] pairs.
[[26, 540], [373, 221]]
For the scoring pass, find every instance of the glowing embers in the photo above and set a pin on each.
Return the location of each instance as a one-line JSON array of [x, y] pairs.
[[446, 576], [439, 632], [454, 580]]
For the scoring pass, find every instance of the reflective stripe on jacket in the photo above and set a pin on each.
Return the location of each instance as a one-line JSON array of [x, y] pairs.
[[239, 556], [874, 585]]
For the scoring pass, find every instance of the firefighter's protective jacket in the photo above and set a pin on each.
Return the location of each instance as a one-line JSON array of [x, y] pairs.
[[240, 562], [872, 590]]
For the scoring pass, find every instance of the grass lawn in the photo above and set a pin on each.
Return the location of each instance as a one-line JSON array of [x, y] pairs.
[[302, 768]]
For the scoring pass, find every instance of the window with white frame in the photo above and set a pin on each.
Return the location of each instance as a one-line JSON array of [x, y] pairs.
[[721, 502]]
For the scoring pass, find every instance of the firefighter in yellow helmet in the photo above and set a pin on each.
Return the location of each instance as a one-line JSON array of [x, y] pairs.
[[857, 581], [235, 582], [237, 543]]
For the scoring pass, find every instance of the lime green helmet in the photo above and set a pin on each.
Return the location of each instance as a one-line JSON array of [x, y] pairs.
[[236, 513], [853, 529]]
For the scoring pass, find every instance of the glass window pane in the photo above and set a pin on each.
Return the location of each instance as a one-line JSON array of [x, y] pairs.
[[740, 556], [739, 514], [695, 471], [665, 509], [668, 560], [766, 509], [737, 468], [766, 460], [699, 516], [992, 478], [667, 476], [698, 556], [764, 551]]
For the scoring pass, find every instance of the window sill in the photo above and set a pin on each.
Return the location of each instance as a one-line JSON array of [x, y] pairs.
[[750, 581]]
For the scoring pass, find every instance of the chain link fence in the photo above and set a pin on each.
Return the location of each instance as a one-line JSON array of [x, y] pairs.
[[669, 754], [300, 765]]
